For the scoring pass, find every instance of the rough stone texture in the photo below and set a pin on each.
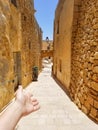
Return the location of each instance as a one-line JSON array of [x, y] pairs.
[[83, 86], [84, 78], [37, 42], [17, 35], [31, 41], [8, 39]]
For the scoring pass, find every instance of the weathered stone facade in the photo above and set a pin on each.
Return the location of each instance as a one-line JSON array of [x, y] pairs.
[[31, 40], [9, 40], [84, 79], [83, 31], [37, 40], [17, 35], [62, 41]]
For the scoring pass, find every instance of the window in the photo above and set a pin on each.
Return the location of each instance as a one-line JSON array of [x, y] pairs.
[[24, 18], [14, 2], [60, 65], [29, 45], [58, 27]]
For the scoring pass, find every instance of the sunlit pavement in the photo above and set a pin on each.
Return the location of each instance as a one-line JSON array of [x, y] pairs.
[[57, 111]]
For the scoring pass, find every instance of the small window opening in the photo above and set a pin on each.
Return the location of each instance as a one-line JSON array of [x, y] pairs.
[[58, 27], [14, 2], [24, 18], [60, 65], [29, 45]]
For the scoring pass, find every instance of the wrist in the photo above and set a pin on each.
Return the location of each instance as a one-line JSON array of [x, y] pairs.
[[19, 107]]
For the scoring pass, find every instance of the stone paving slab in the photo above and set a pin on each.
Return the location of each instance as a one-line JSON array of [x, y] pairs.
[[57, 111]]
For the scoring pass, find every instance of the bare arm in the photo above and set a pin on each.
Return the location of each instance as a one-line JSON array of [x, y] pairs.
[[23, 105]]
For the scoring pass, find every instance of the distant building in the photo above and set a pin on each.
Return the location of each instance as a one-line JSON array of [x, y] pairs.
[[47, 45]]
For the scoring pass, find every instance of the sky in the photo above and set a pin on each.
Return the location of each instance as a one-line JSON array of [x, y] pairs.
[[45, 12]]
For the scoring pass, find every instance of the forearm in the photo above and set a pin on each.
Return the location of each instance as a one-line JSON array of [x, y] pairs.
[[23, 105], [10, 117]]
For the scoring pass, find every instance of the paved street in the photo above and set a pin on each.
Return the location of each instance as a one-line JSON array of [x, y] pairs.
[[57, 111]]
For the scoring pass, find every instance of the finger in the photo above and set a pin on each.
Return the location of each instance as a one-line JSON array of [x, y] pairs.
[[36, 108], [35, 103], [33, 99], [19, 89]]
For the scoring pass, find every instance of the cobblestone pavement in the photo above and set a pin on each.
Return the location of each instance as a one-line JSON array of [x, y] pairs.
[[57, 111]]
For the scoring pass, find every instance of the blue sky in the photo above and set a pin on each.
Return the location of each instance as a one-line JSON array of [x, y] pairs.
[[45, 16]]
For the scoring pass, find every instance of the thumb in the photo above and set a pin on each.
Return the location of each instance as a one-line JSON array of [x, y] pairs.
[[19, 92]]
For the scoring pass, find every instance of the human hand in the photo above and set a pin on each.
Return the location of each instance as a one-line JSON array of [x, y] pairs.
[[26, 101]]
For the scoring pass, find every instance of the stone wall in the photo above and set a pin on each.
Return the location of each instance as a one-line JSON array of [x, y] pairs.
[[31, 42], [84, 73], [17, 40], [9, 37], [37, 40], [82, 84], [62, 41], [27, 28]]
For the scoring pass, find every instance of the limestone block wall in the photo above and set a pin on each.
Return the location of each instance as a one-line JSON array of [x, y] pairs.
[[62, 41], [37, 41], [15, 29], [30, 41], [84, 73], [76, 52], [8, 38], [27, 36], [17, 40]]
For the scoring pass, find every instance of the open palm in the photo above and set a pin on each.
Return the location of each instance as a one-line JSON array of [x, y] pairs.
[[29, 104]]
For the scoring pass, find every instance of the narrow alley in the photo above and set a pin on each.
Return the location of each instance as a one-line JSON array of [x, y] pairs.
[[57, 111], [62, 35]]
